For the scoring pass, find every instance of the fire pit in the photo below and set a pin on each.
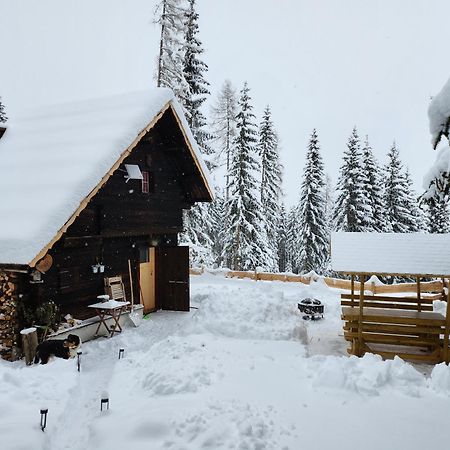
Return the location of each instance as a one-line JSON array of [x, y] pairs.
[[311, 308]]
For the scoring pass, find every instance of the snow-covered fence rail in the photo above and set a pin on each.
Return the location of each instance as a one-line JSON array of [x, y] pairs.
[[373, 285]]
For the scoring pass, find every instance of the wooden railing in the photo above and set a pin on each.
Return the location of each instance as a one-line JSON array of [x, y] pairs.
[[436, 286]]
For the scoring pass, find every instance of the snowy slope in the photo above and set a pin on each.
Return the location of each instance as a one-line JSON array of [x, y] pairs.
[[240, 371]]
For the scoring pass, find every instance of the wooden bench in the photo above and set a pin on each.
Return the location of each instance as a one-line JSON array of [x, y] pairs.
[[389, 326]]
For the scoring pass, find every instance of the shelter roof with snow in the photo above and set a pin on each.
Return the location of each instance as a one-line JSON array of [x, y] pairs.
[[55, 158], [391, 253]]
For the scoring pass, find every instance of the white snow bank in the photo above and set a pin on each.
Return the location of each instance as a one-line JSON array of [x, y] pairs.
[[232, 374], [369, 375], [267, 315], [23, 392], [440, 379]]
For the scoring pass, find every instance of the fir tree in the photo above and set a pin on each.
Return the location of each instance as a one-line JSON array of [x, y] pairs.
[[329, 202], [375, 219], [271, 179], [291, 237], [194, 70], [170, 15], [312, 237], [199, 218], [417, 221], [351, 208], [218, 226], [282, 241], [245, 243], [396, 195], [198, 237], [3, 117], [438, 215], [224, 125]]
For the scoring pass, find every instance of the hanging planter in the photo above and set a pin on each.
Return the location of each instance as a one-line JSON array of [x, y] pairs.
[[95, 268]]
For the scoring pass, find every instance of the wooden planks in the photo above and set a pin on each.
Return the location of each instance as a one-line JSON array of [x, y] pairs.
[[406, 317]]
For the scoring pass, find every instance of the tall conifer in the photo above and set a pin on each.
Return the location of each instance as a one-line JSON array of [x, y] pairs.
[[351, 208], [282, 240], [271, 179], [312, 237], [372, 187], [396, 195], [245, 243], [170, 15], [224, 114], [194, 70]]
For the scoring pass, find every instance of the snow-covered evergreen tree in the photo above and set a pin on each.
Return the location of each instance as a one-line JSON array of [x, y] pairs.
[[397, 198], [417, 222], [372, 187], [218, 226], [329, 202], [198, 237], [194, 70], [312, 237], [351, 208], [246, 242], [3, 117], [438, 215], [282, 240], [291, 236], [271, 179], [170, 15], [224, 114], [199, 222]]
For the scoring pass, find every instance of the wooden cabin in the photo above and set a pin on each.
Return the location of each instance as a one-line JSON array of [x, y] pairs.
[[401, 325], [91, 190]]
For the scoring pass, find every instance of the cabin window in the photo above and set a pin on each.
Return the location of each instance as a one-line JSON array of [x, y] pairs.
[[145, 182]]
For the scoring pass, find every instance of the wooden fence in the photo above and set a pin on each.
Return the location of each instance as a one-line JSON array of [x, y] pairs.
[[436, 286]]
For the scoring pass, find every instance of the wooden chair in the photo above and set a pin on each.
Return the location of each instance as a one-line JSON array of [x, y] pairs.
[[115, 288]]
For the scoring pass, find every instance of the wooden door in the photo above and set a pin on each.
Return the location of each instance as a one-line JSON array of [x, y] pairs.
[[147, 281], [172, 275]]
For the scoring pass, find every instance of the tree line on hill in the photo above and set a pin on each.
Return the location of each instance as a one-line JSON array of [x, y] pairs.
[[247, 226]]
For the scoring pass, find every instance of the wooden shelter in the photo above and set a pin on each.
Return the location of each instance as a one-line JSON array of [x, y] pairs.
[[406, 326], [93, 190]]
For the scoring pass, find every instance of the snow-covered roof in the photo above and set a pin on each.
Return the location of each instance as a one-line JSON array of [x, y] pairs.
[[391, 253], [53, 157]]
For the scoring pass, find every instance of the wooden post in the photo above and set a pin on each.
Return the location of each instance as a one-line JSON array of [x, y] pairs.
[[447, 328], [29, 344], [353, 289], [418, 295], [360, 319], [354, 348]]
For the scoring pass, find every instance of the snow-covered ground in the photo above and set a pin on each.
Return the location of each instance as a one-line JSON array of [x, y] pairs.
[[242, 370]]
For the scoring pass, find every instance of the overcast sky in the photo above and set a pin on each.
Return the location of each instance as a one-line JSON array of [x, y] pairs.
[[325, 64]]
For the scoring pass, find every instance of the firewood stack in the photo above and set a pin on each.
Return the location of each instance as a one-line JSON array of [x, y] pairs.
[[8, 318]]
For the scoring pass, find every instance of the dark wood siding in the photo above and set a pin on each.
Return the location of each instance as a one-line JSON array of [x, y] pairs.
[[118, 221]]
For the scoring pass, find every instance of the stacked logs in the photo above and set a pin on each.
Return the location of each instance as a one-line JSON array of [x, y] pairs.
[[8, 316]]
